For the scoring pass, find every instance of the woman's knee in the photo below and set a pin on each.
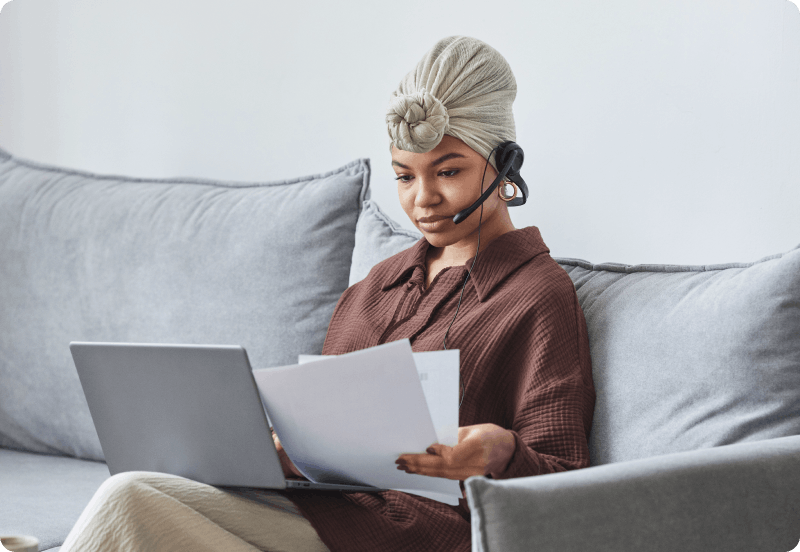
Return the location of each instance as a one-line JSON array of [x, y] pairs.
[[124, 484]]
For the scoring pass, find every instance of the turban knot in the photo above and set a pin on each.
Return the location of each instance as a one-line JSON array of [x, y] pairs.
[[463, 88], [417, 121]]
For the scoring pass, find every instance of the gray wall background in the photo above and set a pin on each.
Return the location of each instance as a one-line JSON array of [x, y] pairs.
[[664, 132]]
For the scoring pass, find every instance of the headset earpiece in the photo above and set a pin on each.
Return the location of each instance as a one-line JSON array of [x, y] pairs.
[[504, 151], [502, 154]]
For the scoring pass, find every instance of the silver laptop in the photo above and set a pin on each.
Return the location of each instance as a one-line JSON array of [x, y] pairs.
[[188, 410]]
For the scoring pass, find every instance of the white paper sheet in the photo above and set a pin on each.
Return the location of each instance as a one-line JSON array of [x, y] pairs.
[[346, 418], [438, 373]]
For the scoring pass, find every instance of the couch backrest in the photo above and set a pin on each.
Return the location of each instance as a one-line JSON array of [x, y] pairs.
[[86, 257], [683, 357]]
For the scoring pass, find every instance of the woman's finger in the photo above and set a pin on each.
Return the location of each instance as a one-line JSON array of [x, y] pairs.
[[438, 449], [445, 464], [416, 460], [435, 450], [444, 471], [423, 464], [289, 469]]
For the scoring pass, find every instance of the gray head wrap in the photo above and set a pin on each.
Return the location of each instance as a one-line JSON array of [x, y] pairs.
[[463, 88]]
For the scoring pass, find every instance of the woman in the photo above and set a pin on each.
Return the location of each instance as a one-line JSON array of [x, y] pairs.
[[527, 392]]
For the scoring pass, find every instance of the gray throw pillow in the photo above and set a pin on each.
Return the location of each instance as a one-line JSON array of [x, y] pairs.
[[689, 357], [87, 257], [378, 237], [683, 357]]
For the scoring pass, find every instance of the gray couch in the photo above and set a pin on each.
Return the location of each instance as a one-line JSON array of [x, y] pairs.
[[696, 437]]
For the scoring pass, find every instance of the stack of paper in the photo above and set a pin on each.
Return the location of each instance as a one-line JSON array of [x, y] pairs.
[[346, 418]]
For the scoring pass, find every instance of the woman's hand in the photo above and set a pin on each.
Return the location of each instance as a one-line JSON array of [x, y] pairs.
[[289, 469], [482, 449]]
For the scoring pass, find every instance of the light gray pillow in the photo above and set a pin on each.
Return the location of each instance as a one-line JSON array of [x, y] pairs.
[[683, 357], [378, 237], [689, 357], [87, 257]]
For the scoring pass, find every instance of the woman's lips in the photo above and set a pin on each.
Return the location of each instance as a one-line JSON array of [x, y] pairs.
[[432, 224]]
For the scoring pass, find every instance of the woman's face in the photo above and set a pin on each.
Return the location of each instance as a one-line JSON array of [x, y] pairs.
[[442, 182]]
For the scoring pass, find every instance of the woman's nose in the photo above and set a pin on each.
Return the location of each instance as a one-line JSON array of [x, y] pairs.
[[426, 191]]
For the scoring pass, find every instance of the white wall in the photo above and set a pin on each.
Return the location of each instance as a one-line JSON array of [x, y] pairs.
[[653, 132]]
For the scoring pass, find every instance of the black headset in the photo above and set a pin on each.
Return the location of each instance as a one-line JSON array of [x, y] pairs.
[[509, 156]]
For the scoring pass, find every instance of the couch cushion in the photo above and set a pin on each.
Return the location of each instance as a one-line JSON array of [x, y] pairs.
[[85, 257], [378, 237], [688, 357], [43, 496], [683, 357]]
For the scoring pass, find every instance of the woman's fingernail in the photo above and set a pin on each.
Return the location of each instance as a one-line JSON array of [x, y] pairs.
[[430, 450]]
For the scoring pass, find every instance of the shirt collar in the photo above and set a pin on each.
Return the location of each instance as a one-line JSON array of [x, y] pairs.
[[504, 255]]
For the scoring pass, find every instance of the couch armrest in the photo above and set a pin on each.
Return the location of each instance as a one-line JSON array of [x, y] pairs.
[[741, 497]]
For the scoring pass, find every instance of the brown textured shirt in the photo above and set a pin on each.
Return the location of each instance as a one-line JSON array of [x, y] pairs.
[[524, 362]]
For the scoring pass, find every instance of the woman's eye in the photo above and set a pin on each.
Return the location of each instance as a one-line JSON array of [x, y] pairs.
[[404, 177], [449, 173]]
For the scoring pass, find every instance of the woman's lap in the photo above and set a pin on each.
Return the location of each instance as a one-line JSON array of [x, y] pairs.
[[153, 511]]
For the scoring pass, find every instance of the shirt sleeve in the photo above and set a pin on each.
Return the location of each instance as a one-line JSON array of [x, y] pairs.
[[556, 400]]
